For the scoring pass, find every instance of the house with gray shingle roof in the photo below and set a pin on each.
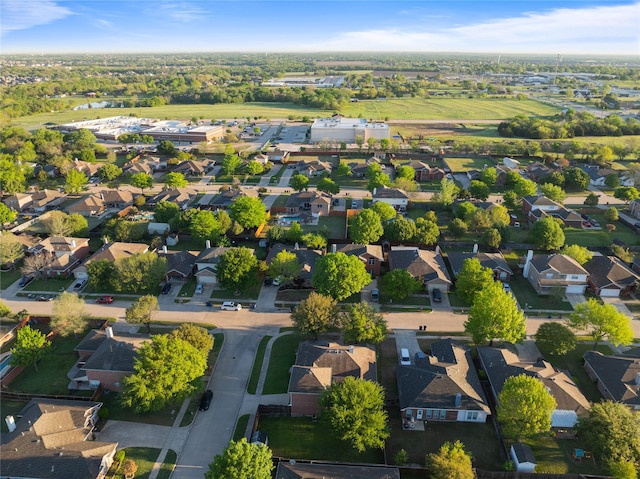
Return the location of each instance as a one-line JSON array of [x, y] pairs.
[[502, 363], [442, 386], [617, 378], [322, 363], [306, 260], [427, 266], [395, 197], [180, 265], [610, 277], [494, 261], [312, 203], [548, 272]]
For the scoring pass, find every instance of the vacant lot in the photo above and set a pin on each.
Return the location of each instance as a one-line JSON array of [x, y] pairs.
[[461, 165]]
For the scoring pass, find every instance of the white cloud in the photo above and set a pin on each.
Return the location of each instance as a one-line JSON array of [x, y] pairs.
[[602, 29], [179, 11], [24, 14]]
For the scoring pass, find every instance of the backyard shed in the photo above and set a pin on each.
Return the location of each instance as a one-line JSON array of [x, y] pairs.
[[523, 458]]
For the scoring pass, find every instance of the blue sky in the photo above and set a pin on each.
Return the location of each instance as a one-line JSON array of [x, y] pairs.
[[507, 26]]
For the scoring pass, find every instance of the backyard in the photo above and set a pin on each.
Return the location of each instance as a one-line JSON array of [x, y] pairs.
[[461, 165]]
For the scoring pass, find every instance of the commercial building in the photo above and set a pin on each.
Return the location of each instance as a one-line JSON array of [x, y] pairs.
[[338, 128]]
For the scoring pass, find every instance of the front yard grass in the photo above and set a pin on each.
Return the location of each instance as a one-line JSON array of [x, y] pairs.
[[117, 411], [7, 278], [257, 365], [241, 427], [386, 365], [53, 284], [145, 458], [529, 299], [252, 291], [283, 355], [188, 289]]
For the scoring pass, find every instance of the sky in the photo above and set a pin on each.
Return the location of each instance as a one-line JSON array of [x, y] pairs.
[[590, 27]]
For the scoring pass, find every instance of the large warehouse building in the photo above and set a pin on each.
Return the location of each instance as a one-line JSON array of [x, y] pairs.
[[347, 129]]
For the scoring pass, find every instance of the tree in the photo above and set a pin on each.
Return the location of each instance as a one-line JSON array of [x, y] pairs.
[[314, 241], [175, 180], [479, 190], [592, 199], [30, 347], [7, 215], [366, 227], [315, 315], [378, 179], [205, 226], [524, 187], [525, 406], [465, 210], [109, 172], [355, 410], [611, 214], [511, 200], [69, 314], [74, 181], [500, 217], [576, 179], [254, 168], [489, 176], [166, 147], [399, 284], [102, 273], [165, 211], [299, 182], [547, 234], [295, 232], [400, 229], [248, 211], [329, 186], [492, 238], [285, 265], [458, 227], [5, 312], [141, 272], [129, 469], [626, 193], [405, 171], [241, 460], [339, 276], [450, 462], [495, 314], [580, 253], [236, 268], [447, 194], [36, 265], [195, 335], [384, 210], [553, 192], [612, 180], [165, 371], [427, 232], [141, 311], [362, 323], [471, 279], [601, 321], [11, 250], [231, 164], [557, 338], [141, 180], [612, 431]]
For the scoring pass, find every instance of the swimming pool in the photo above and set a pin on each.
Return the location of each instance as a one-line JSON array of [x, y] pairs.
[[5, 365], [289, 219]]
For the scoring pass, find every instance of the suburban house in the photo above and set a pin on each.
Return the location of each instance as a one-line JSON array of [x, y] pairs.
[[370, 255], [104, 359], [89, 169], [144, 164], [91, 205], [634, 209], [494, 261], [537, 171], [306, 260], [54, 438], [617, 378], [313, 168], [179, 265], [537, 207], [312, 202], [610, 277], [225, 198], [358, 170], [180, 196], [597, 175], [427, 266], [206, 263], [321, 363], [395, 197], [548, 272], [424, 172], [502, 363], [37, 202], [522, 457], [118, 199], [64, 253], [296, 470], [110, 252], [192, 168], [442, 386]]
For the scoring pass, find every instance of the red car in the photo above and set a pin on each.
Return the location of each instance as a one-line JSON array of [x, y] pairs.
[[105, 300]]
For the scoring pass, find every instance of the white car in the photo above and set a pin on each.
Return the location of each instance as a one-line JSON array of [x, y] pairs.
[[277, 281], [231, 306], [506, 287], [199, 288]]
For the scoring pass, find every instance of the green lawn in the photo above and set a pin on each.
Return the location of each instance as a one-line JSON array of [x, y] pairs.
[[252, 291], [598, 238], [145, 458], [283, 355], [7, 278], [335, 224], [257, 365], [241, 427], [164, 417], [553, 456], [530, 300], [54, 284], [387, 363], [459, 165], [188, 289], [301, 438]]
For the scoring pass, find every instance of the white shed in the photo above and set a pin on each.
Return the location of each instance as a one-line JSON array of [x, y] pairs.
[[523, 458], [159, 228]]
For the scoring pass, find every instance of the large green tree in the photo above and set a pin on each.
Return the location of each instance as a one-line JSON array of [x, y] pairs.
[[75, 181], [355, 410], [299, 182], [525, 407], [142, 310], [339, 276], [175, 180], [362, 323], [11, 250], [165, 211], [327, 185], [495, 314], [241, 460], [141, 180], [285, 265], [236, 268], [195, 335], [399, 284], [109, 172], [315, 315], [69, 314], [385, 211], [205, 226], [366, 227], [556, 338], [400, 229], [580, 253], [471, 279], [165, 371], [30, 347], [140, 273], [231, 164], [7, 215], [553, 192], [547, 234], [248, 211], [601, 321], [450, 462], [447, 194], [427, 232], [626, 193]]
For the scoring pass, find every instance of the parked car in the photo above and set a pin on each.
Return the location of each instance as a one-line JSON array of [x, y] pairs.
[[205, 402], [506, 287], [231, 306], [44, 298], [25, 280], [199, 288], [277, 281], [166, 288], [105, 300], [268, 281], [80, 284], [437, 296]]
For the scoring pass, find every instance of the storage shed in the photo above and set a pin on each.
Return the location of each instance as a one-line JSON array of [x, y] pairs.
[[523, 458]]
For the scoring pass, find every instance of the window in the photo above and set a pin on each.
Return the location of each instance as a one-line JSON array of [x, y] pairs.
[[428, 413], [443, 413], [372, 261], [549, 275], [575, 276], [472, 415]]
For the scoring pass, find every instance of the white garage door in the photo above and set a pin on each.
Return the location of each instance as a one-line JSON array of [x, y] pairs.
[[575, 289], [610, 293]]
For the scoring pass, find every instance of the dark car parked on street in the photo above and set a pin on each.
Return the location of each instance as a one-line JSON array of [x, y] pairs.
[[166, 288], [205, 402]]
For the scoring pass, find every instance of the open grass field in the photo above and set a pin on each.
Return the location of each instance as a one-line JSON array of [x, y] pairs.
[[459, 165]]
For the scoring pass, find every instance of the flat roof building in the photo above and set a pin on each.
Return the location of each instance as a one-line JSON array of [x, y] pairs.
[[347, 129]]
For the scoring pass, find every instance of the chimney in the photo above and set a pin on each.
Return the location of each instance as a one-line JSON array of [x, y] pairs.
[[437, 250], [637, 381], [475, 248], [458, 399], [73, 243], [527, 264], [334, 248], [11, 423], [109, 331], [101, 196], [351, 349], [374, 192], [208, 244], [105, 241], [164, 249], [296, 246]]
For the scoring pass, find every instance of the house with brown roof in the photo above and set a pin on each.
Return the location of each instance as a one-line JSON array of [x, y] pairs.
[[206, 263], [617, 378], [425, 172], [89, 169], [442, 386], [321, 363], [192, 168], [54, 439], [547, 272], [395, 197], [494, 261], [144, 164], [110, 252], [424, 265], [306, 260], [119, 199], [537, 207], [180, 265], [297, 470], [91, 205], [610, 277], [180, 196], [503, 363], [370, 254], [36, 202], [64, 253], [537, 171], [313, 168], [314, 203]]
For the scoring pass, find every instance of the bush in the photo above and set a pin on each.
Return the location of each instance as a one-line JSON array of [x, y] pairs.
[[401, 457], [139, 201], [103, 414], [509, 466]]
